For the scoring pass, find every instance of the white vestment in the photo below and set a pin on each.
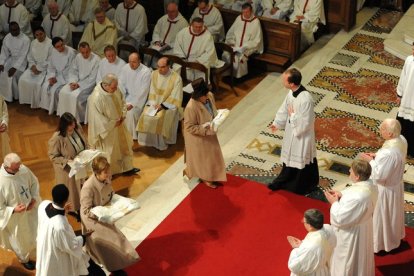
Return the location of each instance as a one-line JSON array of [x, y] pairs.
[[135, 85], [18, 230], [247, 38], [313, 256], [405, 90], [82, 12], [17, 13], [59, 250], [83, 72], [351, 218], [212, 20], [131, 22], [105, 68], [282, 5], [257, 8], [159, 130], [13, 55], [32, 6], [58, 26], [58, 67], [4, 136], [30, 85], [387, 174], [64, 7], [166, 30]]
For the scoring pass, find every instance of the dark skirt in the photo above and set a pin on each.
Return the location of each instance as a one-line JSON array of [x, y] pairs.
[[407, 130]]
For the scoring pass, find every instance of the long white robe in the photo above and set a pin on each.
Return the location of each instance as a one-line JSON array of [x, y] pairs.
[[131, 22], [58, 26], [58, 67], [282, 5], [166, 30], [82, 12], [83, 72], [351, 218], [246, 36], [19, 14], [105, 68], [59, 250], [404, 90], [135, 85], [387, 174], [100, 35], [313, 256], [4, 136], [160, 130], [30, 85], [64, 6], [32, 6], [212, 20], [18, 230], [13, 55]]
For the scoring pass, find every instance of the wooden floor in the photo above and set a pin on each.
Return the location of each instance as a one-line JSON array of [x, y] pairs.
[[30, 129]]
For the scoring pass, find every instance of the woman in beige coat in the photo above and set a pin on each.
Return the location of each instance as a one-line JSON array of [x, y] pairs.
[[64, 145], [107, 245], [203, 155]]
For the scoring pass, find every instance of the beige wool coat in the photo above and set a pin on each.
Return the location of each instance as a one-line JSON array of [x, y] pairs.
[[107, 245], [60, 151], [203, 155]]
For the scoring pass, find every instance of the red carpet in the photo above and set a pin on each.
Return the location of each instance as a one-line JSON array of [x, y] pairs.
[[238, 229]]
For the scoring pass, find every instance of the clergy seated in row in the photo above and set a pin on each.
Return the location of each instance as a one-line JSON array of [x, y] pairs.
[[30, 83], [109, 10], [131, 22], [110, 64], [56, 24], [57, 76], [81, 13], [276, 9], [64, 7], [256, 5], [212, 19], [309, 13], [196, 44], [107, 130], [223, 3], [13, 61], [134, 82], [19, 198], [32, 6], [100, 33], [81, 82], [246, 38], [159, 128], [12, 11]]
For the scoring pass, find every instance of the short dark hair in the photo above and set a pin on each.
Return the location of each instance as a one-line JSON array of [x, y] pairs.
[[66, 120], [200, 88], [362, 169], [247, 5], [38, 28], [56, 40], [294, 77], [197, 20], [83, 44], [109, 48], [314, 218], [14, 23], [60, 194], [203, 1]]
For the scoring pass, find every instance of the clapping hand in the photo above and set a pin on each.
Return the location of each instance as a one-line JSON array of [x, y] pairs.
[[68, 206], [332, 196], [273, 128], [294, 242], [368, 156]]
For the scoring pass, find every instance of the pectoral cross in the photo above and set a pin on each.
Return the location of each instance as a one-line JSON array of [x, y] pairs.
[[24, 192]]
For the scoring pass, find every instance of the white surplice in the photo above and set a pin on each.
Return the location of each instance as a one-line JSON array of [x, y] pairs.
[[212, 20], [83, 72], [58, 26], [404, 90], [59, 250], [64, 7], [32, 6], [135, 85], [282, 5], [18, 230], [30, 85], [105, 68], [82, 12], [387, 174], [351, 218], [131, 22], [17, 13], [166, 30]]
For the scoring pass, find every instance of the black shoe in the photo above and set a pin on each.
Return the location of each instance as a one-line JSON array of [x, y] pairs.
[[272, 187], [132, 171], [119, 273], [29, 265]]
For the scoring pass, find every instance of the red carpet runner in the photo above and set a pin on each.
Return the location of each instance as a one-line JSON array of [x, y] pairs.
[[238, 229]]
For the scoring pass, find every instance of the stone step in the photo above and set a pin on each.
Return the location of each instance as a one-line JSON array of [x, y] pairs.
[[398, 48], [409, 38]]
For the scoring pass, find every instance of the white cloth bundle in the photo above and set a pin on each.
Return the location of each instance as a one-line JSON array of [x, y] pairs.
[[78, 166], [220, 118], [116, 209]]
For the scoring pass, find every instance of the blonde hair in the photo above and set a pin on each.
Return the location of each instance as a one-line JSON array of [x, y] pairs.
[[100, 164]]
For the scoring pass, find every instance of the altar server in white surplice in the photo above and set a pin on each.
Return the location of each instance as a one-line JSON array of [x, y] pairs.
[[13, 61], [59, 250], [109, 10], [56, 24], [111, 64], [19, 197], [131, 22], [212, 19], [81, 82], [30, 83], [351, 218], [12, 11], [245, 35], [4, 124], [312, 255], [32, 6], [134, 82], [81, 13], [57, 76], [64, 6], [387, 173], [166, 95], [276, 9]]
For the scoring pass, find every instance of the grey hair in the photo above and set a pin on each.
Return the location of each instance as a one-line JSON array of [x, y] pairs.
[[314, 218], [392, 126], [10, 159], [109, 79]]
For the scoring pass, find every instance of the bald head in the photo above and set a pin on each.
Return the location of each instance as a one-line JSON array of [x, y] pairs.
[[162, 65], [390, 128], [172, 10], [53, 8], [134, 61]]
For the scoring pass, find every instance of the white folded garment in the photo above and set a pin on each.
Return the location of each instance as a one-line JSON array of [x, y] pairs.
[[116, 209]]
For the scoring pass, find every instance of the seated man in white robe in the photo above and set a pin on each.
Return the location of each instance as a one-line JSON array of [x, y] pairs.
[[256, 6], [32, 6], [109, 10], [312, 255], [134, 82], [12, 11], [56, 24], [388, 166], [111, 64], [30, 83], [223, 3], [276, 9], [19, 197], [64, 7], [351, 219], [166, 95], [60, 63], [13, 61], [246, 38], [81, 13], [309, 13], [212, 19], [131, 22], [81, 82]]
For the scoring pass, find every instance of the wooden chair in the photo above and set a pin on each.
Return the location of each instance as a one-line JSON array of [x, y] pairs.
[[197, 67], [126, 48], [216, 73], [152, 53], [177, 60]]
